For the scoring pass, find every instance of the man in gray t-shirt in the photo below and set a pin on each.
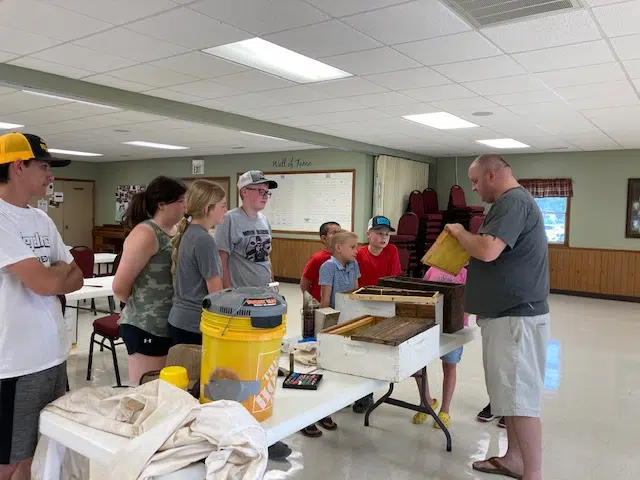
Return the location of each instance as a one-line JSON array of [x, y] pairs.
[[507, 288], [244, 238]]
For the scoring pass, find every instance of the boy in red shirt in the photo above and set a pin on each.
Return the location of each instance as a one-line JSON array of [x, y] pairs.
[[311, 272], [376, 260]]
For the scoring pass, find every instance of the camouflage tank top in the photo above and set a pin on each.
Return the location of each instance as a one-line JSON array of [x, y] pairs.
[[152, 292]]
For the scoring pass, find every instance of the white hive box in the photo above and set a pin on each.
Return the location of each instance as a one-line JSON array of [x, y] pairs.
[[382, 347]]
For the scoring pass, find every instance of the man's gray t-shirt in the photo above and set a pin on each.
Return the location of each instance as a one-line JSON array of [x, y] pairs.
[[248, 243], [198, 261], [517, 282]]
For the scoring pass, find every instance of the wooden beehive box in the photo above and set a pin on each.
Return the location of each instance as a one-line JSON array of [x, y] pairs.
[[453, 294], [383, 348]]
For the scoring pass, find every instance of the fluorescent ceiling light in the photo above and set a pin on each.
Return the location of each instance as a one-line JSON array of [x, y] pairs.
[[503, 143], [58, 97], [156, 145], [73, 152], [264, 136], [440, 120], [271, 58], [6, 126]]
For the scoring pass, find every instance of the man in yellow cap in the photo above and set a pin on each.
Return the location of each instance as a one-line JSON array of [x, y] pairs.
[[35, 267]]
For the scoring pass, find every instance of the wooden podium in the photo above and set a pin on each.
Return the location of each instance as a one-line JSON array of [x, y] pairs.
[[108, 238]]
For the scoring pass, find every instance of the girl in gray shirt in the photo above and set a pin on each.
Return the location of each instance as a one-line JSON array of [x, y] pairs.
[[196, 266]]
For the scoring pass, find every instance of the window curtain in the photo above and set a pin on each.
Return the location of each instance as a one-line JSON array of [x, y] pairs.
[[548, 187], [395, 179]]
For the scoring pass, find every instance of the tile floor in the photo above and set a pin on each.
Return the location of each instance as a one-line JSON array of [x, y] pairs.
[[591, 407]]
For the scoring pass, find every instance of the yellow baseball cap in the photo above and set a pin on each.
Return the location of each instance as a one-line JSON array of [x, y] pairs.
[[25, 146]]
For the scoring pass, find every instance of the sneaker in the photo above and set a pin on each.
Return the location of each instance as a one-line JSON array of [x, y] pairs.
[[501, 423], [485, 415], [444, 418], [279, 451], [420, 417]]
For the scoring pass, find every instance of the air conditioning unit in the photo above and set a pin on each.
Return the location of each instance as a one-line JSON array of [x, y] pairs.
[[484, 13]]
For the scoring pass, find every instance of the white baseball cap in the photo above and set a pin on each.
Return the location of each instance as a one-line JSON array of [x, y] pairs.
[[255, 177]]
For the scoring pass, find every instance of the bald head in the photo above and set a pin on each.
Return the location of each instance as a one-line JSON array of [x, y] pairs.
[[492, 162], [490, 176]]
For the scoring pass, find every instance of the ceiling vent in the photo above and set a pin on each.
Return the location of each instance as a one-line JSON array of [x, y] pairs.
[[483, 13]]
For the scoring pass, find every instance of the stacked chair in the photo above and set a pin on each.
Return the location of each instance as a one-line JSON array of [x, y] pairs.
[[406, 240], [475, 223], [458, 211]]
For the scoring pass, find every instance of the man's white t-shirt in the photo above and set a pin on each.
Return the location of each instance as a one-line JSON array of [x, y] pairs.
[[33, 334]]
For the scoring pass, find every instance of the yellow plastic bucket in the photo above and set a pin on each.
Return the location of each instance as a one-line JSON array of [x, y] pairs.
[[240, 362]]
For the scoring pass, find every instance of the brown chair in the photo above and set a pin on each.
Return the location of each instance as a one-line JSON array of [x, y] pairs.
[[85, 259], [108, 328]]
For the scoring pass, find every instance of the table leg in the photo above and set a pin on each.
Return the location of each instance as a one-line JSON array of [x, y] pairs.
[[430, 411], [382, 400]]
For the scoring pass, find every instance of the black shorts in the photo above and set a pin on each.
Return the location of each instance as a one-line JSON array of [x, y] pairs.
[[180, 336], [138, 341], [21, 401]]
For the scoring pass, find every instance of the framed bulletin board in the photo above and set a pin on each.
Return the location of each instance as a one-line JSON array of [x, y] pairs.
[[305, 200]]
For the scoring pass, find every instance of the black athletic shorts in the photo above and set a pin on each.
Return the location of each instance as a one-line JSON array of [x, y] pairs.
[[138, 341], [21, 401], [180, 336]]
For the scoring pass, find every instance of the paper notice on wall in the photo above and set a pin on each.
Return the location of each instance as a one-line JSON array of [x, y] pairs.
[[50, 189], [197, 166], [58, 197], [43, 205]]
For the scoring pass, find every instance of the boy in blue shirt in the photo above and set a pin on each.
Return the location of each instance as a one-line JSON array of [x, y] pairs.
[[338, 274]]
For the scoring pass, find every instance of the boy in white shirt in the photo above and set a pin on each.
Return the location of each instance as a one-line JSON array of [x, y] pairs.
[[35, 267]]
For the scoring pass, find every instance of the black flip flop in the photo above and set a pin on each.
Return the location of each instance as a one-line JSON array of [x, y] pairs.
[[328, 424], [497, 468], [311, 431]]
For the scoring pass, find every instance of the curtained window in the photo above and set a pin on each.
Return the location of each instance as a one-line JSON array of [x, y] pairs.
[[395, 179], [553, 196]]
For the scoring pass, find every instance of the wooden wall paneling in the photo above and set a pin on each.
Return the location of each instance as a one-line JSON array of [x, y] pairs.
[[289, 256]]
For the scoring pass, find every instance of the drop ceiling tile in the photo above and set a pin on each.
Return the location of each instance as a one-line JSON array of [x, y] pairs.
[[347, 87], [323, 39], [415, 108], [536, 96], [6, 56], [188, 28], [541, 110], [597, 3], [80, 57], [450, 49], [566, 28], [592, 141], [633, 68], [612, 99], [116, 11], [50, 67], [150, 75], [465, 104], [408, 22], [340, 8], [442, 92], [253, 81], [57, 22], [627, 48], [482, 69], [23, 43], [385, 99], [619, 19], [502, 86], [110, 81], [127, 44], [594, 90], [335, 117], [580, 54], [199, 65], [261, 18], [205, 89], [406, 79], [582, 75], [21, 102], [369, 62]]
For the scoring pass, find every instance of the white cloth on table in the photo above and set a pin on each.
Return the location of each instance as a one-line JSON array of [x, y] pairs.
[[169, 430]]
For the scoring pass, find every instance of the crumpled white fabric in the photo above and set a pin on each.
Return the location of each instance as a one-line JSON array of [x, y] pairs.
[[169, 430], [305, 353]]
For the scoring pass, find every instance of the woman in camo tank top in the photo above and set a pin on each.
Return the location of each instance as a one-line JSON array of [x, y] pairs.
[[143, 279]]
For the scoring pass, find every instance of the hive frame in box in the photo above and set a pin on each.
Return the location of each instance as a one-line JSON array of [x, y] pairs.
[[362, 297]]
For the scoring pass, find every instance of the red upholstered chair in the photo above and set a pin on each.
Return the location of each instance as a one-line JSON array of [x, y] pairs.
[[457, 200], [108, 328], [475, 223], [408, 227], [416, 203], [430, 201], [403, 254], [85, 260]]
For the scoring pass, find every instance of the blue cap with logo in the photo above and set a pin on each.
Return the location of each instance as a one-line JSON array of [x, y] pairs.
[[380, 222]]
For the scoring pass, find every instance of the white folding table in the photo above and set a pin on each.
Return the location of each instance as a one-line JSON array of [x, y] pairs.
[[100, 259], [98, 287]]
